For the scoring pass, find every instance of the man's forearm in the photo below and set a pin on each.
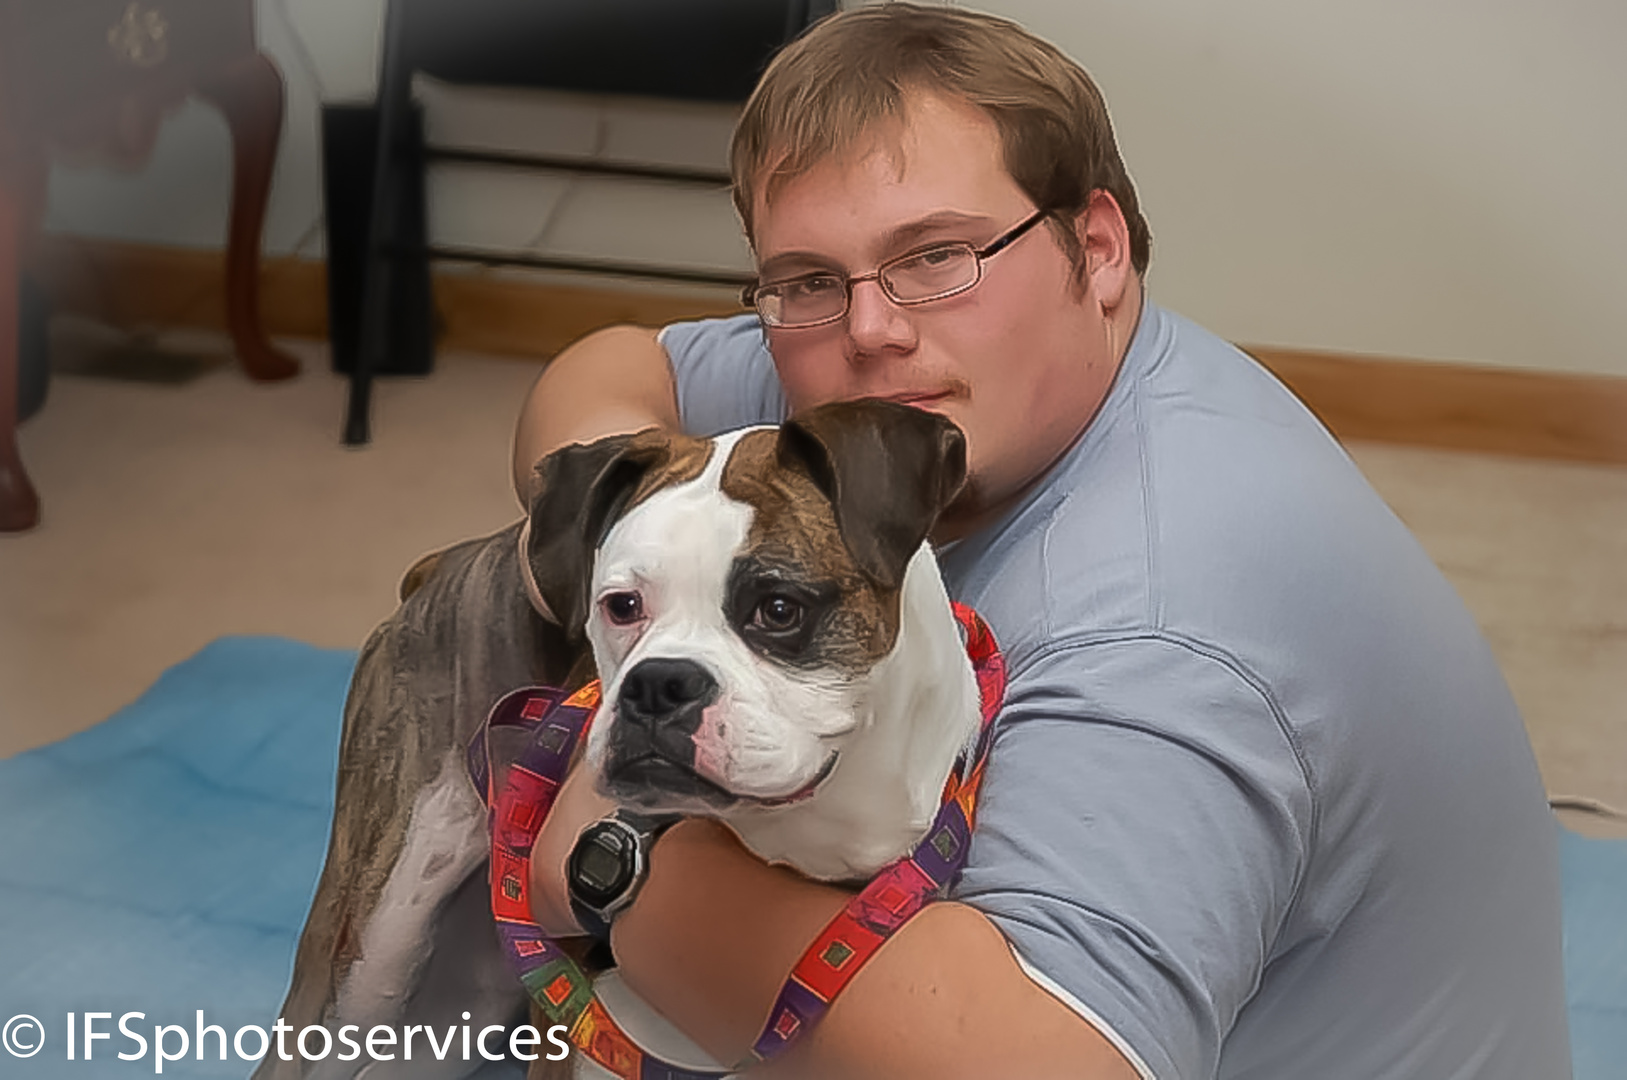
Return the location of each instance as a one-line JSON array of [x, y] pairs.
[[715, 931]]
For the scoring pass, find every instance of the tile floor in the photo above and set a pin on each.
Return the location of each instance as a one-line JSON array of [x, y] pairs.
[[175, 514]]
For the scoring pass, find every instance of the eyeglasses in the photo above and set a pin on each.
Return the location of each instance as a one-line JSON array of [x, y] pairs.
[[933, 273]]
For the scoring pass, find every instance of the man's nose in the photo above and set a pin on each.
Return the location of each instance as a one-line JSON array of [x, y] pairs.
[[875, 323]]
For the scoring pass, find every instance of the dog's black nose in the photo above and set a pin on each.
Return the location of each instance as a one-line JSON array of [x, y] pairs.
[[651, 754], [655, 691]]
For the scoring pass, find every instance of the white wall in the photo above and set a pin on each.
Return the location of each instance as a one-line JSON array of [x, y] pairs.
[[1441, 180]]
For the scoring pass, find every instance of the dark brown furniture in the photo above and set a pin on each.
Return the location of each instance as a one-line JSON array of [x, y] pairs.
[[98, 74]]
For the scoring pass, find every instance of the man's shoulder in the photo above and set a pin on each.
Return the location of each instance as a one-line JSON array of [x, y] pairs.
[[1213, 523], [712, 332], [723, 374], [1201, 485]]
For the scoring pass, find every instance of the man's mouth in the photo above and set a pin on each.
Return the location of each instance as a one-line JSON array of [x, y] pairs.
[[919, 398]]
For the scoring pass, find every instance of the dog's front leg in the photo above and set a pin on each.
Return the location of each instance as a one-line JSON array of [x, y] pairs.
[[423, 952], [401, 931]]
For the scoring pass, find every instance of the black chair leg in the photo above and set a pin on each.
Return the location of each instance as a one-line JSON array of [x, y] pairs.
[[349, 149], [394, 93]]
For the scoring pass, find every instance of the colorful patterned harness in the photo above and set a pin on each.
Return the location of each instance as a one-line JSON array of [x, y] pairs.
[[565, 993]]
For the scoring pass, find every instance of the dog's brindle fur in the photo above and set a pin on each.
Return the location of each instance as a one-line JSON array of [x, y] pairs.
[[466, 633]]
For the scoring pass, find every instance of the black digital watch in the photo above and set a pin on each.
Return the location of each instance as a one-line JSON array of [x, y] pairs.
[[610, 860]]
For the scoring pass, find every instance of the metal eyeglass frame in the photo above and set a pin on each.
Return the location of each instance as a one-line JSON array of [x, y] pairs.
[[748, 295]]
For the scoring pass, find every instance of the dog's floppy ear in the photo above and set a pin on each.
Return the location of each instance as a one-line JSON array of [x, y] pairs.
[[888, 469], [580, 492]]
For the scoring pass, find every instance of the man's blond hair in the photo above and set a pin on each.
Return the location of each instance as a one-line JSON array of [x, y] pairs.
[[857, 68]]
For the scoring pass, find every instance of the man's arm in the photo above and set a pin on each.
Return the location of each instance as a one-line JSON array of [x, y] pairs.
[[613, 381], [1164, 882], [714, 932]]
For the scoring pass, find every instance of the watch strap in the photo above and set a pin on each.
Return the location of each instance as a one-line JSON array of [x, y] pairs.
[[593, 924]]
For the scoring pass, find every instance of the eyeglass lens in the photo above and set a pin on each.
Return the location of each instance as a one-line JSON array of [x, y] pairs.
[[910, 280], [932, 274]]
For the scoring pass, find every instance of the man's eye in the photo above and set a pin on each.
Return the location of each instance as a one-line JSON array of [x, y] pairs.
[[623, 608], [938, 257], [811, 288], [950, 259], [777, 614]]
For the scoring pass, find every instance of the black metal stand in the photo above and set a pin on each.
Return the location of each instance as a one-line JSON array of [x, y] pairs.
[[696, 50]]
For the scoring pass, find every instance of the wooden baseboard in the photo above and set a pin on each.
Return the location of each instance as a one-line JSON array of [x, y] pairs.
[[150, 286], [1540, 414], [147, 285], [1455, 406], [491, 313]]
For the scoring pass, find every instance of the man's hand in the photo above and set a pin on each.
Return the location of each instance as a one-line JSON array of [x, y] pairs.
[[714, 932]]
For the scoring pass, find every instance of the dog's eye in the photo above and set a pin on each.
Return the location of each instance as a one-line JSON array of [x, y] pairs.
[[778, 614], [623, 608]]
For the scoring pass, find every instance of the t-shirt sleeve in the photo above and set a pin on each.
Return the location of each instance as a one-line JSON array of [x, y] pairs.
[[1140, 838], [724, 373]]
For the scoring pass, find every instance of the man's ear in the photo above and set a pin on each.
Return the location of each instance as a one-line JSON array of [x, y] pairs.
[[1104, 243], [580, 492], [888, 469]]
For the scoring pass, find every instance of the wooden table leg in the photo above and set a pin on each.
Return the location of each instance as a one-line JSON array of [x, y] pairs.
[[19, 505], [250, 93]]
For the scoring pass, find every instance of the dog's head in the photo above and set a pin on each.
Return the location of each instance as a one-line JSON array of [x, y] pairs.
[[739, 592]]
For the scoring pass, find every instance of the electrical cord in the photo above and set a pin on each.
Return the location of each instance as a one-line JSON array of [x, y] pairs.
[[1588, 805], [313, 75], [306, 60]]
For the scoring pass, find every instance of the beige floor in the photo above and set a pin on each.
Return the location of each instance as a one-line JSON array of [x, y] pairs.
[[177, 514]]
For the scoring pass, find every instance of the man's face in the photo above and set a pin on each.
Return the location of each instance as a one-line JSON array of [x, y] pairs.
[[1020, 362]]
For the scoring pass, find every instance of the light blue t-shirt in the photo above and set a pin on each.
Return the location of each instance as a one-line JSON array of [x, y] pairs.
[[1260, 804]]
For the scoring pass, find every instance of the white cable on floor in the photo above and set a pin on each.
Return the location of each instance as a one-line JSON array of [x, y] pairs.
[[1586, 804], [313, 76], [301, 50]]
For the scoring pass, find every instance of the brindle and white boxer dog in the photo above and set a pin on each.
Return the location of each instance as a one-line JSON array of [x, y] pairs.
[[776, 650]]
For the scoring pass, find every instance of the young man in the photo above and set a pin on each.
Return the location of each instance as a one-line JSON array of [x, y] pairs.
[[1259, 804]]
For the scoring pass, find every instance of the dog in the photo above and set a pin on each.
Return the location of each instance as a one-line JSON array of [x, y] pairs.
[[776, 650]]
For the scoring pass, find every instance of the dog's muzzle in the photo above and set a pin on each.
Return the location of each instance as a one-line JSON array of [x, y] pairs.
[[652, 746]]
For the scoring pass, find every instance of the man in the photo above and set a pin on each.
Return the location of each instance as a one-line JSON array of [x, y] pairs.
[[1259, 803]]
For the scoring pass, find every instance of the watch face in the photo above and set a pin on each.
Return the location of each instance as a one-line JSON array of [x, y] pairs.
[[599, 869], [602, 864]]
